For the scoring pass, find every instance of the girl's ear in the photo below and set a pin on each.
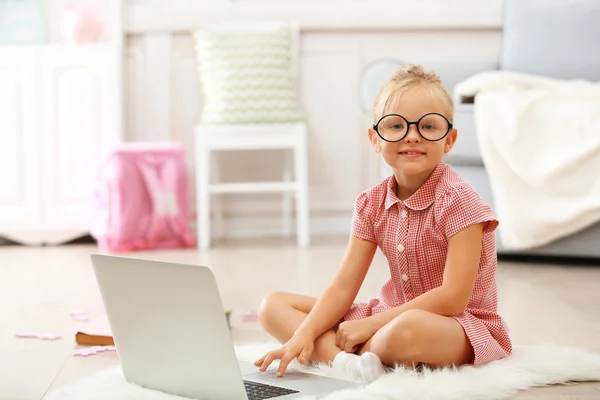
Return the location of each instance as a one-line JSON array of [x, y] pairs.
[[450, 140], [374, 139]]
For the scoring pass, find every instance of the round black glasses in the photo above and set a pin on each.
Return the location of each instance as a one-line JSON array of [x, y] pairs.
[[394, 127]]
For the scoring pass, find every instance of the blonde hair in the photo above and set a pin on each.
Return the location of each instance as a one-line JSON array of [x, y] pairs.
[[409, 77]]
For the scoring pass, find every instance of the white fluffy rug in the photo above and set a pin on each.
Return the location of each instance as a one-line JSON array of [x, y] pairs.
[[528, 367]]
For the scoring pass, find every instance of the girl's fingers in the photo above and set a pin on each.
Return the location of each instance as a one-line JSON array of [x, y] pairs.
[[260, 360], [304, 356], [266, 362], [273, 355], [285, 361]]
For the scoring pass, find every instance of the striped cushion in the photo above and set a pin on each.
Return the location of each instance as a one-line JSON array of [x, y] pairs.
[[247, 76]]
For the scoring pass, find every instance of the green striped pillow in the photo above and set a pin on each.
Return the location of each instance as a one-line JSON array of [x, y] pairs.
[[247, 76]]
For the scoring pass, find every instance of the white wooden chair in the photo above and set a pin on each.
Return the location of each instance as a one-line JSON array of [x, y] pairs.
[[261, 136]]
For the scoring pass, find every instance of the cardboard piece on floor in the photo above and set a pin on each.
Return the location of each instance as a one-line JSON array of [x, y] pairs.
[[97, 333]]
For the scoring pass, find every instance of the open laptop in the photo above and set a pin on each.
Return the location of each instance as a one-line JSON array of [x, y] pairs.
[[171, 334]]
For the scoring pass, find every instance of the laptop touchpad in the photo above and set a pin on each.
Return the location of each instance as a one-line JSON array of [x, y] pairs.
[[271, 377]]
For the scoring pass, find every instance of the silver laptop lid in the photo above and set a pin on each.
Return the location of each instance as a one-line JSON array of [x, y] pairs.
[[169, 327]]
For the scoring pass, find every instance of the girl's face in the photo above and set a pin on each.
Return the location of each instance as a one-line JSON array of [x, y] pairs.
[[413, 155]]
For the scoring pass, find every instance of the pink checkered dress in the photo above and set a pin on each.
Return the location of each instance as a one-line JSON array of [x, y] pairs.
[[413, 234]]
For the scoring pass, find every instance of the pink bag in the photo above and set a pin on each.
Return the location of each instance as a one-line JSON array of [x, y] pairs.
[[142, 199]]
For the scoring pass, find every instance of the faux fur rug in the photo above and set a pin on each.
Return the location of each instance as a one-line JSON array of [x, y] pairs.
[[527, 367]]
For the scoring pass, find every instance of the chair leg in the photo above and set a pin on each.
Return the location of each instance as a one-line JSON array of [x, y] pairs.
[[302, 211], [288, 197], [202, 193], [217, 209]]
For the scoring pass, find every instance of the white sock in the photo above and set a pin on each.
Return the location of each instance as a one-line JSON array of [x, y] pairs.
[[348, 364], [371, 367], [367, 367]]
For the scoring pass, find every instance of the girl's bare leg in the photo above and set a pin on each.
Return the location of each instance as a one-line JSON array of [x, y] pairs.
[[418, 336], [281, 313]]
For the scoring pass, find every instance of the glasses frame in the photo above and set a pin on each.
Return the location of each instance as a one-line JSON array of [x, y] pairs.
[[408, 124]]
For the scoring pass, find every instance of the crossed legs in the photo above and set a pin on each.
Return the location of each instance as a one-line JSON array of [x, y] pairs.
[[416, 336]]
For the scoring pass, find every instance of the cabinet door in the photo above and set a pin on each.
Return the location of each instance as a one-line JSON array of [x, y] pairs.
[[19, 194], [81, 102]]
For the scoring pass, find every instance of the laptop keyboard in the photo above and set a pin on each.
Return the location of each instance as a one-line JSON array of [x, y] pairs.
[[258, 391]]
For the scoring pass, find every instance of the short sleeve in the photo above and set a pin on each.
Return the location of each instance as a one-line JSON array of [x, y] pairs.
[[362, 218], [462, 207]]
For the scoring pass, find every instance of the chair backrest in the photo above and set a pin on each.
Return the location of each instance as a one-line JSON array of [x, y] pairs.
[[554, 38]]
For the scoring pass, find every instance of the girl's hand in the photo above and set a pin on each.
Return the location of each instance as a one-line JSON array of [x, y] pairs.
[[351, 334], [300, 347]]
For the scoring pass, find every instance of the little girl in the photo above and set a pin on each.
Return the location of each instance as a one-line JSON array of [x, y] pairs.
[[439, 307]]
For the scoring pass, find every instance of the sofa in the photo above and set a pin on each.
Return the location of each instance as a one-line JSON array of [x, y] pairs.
[[554, 38]]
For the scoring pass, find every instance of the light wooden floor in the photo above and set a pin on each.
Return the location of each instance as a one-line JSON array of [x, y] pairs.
[[39, 287]]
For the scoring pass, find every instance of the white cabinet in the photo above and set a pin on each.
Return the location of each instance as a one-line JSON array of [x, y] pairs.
[[19, 141], [60, 111]]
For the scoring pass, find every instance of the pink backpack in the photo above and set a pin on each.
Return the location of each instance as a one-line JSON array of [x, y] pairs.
[[141, 201]]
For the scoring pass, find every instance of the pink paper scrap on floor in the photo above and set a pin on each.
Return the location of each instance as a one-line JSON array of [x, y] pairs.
[[250, 316], [80, 315], [43, 336], [49, 336], [26, 335], [90, 351]]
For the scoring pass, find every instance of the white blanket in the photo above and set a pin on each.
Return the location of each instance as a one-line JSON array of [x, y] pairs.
[[527, 367], [540, 143]]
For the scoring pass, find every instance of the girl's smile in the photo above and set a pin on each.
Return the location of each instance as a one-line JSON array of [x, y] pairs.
[[412, 153]]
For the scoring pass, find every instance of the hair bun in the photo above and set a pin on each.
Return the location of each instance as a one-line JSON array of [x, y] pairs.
[[417, 71]]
